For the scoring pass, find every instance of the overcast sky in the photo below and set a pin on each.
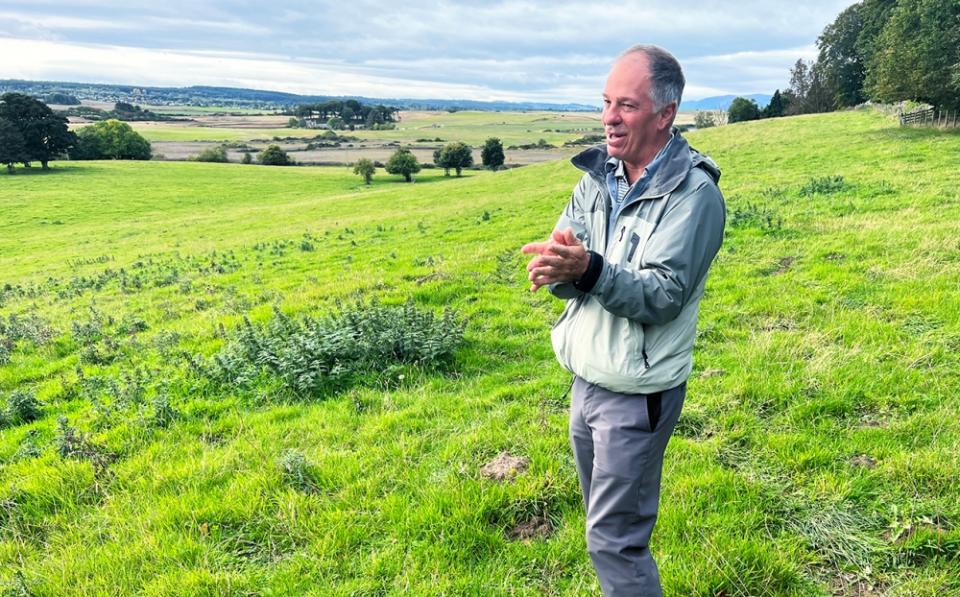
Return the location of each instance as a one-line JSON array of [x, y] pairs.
[[529, 50]]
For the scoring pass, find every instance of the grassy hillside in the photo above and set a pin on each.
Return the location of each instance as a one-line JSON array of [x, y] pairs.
[[816, 453]]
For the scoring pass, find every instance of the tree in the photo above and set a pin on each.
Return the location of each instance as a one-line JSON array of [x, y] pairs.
[[840, 60], [492, 153], [62, 99], [293, 122], [776, 107], [110, 140], [454, 155], [213, 154], [274, 156], [247, 158], [808, 89], [742, 109], [335, 123], [11, 144], [365, 168], [703, 119], [404, 163], [920, 48], [45, 135], [374, 117]]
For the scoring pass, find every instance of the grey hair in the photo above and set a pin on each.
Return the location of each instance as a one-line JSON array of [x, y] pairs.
[[666, 76]]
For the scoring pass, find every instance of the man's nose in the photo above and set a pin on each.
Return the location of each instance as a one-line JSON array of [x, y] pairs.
[[610, 116]]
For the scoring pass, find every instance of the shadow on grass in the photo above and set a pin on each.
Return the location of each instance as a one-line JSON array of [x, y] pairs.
[[53, 170]]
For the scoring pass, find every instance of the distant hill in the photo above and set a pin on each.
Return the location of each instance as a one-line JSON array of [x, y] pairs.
[[722, 102], [199, 95]]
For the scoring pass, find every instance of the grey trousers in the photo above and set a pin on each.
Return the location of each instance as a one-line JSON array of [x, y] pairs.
[[618, 444]]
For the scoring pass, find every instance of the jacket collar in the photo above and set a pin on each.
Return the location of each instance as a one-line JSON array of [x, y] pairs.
[[670, 173]]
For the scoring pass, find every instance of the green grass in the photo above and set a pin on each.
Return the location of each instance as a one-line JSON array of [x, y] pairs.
[[816, 453]]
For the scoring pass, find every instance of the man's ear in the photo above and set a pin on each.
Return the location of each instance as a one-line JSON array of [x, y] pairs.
[[666, 116]]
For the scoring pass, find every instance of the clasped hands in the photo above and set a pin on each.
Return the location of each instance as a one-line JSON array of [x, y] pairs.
[[562, 258]]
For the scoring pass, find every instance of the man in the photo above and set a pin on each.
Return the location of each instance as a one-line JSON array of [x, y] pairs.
[[630, 256]]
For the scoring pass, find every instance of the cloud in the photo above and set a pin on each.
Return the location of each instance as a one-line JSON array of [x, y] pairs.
[[53, 60], [522, 49]]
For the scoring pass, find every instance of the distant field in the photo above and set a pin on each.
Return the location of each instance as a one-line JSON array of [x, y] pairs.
[[203, 110], [421, 129], [816, 454], [513, 128]]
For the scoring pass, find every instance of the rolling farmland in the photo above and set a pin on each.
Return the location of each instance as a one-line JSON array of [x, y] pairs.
[[143, 450]]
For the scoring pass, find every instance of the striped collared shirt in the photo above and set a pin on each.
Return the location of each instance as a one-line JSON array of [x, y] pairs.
[[620, 187]]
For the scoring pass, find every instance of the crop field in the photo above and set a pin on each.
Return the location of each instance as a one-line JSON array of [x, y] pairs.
[[219, 379]]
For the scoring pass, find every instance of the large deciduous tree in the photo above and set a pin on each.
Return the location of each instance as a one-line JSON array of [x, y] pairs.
[[920, 54], [45, 135], [840, 59], [454, 155], [403, 162], [11, 144], [110, 140]]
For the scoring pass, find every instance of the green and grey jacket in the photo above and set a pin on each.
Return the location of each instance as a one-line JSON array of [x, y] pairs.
[[630, 322]]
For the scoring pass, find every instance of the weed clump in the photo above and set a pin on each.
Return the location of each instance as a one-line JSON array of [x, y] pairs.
[[296, 471], [21, 407], [30, 327], [824, 185], [751, 215], [315, 355], [72, 444]]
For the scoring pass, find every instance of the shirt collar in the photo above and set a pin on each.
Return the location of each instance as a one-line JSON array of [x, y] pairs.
[[615, 165]]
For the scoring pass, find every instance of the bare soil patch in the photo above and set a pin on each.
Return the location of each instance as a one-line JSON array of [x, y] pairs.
[[537, 527], [505, 466]]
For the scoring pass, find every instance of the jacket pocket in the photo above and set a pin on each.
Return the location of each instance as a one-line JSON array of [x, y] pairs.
[[643, 347]]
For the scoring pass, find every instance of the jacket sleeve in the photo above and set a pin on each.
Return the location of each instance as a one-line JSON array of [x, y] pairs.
[[675, 261]]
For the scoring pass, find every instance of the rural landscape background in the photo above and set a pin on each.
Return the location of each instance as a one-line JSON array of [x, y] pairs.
[[242, 357]]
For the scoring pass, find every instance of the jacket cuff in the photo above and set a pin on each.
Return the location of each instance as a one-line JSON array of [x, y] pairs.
[[590, 277]]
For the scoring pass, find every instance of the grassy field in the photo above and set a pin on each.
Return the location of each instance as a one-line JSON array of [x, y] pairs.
[[816, 455]]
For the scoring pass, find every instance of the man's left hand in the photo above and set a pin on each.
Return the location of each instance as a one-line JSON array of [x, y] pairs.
[[563, 258]]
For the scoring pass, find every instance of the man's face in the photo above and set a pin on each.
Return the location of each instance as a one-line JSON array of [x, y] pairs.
[[633, 128]]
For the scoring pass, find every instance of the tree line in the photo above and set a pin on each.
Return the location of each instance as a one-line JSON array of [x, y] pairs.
[[883, 51], [31, 132], [452, 156], [347, 113]]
